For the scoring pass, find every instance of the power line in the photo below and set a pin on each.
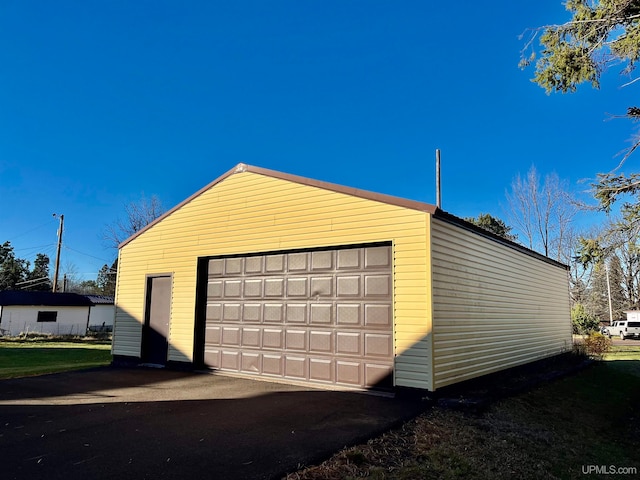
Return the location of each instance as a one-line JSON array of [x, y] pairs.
[[41, 279], [33, 248], [29, 231], [85, 254]]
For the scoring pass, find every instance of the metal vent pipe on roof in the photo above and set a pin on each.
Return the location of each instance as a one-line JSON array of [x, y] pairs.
[[438, 191]]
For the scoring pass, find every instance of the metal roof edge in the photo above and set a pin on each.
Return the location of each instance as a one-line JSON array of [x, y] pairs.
[[462, 223], [237, 169], [242, 168], [356, 192], [365, 194]]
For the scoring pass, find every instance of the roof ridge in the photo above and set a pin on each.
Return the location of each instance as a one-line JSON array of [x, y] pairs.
[[243, 168]]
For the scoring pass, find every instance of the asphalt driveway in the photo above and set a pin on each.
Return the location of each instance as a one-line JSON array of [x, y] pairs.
[[160, 424]]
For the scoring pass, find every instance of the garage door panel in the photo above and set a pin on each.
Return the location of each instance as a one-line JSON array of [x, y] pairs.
[[377, 285], [321, 286], [274, 287], [321, 314], [233, 266], [377, 345], [321, 370], [231, 312], [212, 335], [214, 312], [348, 314], [214, 289], [274, 264], [296, 340], [378, 316], [349, 259], [272, 364], [321, 342], [251, 337], [212, 357], [253, 265], [230, 360], [216, 267], [317, 316], [296, 313], [298, 262], [349, 343], [232, 288], [253, 288], [298, 287], [231, 336], [376, 257], [251, 312], [272, 338], [295, 367], [274, 312], [349, 373], [321, 261], [251, 362], [377, 374], [348, 285]]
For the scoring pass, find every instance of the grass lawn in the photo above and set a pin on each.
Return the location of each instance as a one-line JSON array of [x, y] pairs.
[[626, 358], [554, 431], [28, 358]]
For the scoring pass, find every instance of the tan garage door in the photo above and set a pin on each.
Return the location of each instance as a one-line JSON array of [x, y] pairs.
[[321, 316]]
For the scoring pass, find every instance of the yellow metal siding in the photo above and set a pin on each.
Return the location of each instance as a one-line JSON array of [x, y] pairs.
[[249, 212], [494, 307], [127, 331]]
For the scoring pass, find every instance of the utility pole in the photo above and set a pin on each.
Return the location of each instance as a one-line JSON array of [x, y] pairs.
[[606, 269], [55, 274]]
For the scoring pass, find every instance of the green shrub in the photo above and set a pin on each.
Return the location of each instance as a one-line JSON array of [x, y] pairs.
[[583, 322]]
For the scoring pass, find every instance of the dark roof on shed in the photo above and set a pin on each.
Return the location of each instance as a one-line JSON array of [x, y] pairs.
[[51, 299], [101, 299]]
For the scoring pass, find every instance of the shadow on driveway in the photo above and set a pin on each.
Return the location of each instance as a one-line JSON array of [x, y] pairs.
[[148, 424]]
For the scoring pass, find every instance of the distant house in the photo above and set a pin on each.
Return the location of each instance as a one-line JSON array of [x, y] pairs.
[[632, 314], [53, 313]]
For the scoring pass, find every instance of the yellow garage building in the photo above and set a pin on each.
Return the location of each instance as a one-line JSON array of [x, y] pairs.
[[285, 278]]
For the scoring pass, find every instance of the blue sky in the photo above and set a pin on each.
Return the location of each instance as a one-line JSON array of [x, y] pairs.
[[104, 101]]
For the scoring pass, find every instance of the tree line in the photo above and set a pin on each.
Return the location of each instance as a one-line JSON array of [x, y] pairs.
[[20, 274]]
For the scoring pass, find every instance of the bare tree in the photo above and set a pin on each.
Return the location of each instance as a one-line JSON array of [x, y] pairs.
[[70, 277], [542, 213], [137, 216]]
